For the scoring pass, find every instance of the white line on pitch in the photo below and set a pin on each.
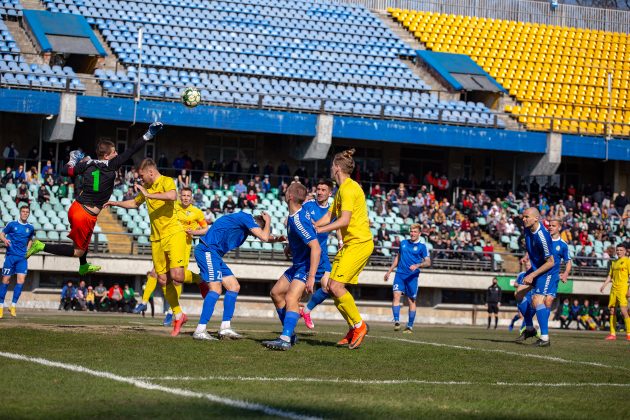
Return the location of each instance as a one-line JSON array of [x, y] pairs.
[[377, 381], [147, 385]]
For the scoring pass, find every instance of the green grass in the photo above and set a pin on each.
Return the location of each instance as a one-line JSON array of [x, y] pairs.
[[130, 346]]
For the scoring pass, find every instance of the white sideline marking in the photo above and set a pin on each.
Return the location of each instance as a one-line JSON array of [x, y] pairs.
[[377, 381], [468, 348], [153, 387]]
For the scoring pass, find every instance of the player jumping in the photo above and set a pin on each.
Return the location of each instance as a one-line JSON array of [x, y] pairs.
[[227, 233], [350, 210], [305, 253], [98, 185], [17, 237], [411, 257], [619, 275]]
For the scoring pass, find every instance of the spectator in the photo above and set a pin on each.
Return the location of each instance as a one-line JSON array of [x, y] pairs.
[[183, 179], [621, 201], [242, 202], [90, 299], [20, 175], [265, 187], [254, 169], [585, 319], [67, 296], [129, 298], [208, 215], [49, 179], [252, 199], [240, 188], [46, 168], [162, 162], [376, 191], [80, 297], [206, 182], [229, 205], [115, 298], [564, 314], [404, 210], [32, 177], [575, 312], [22, 195], [198, 198], [383, 233], [8, 176], [10, 153], [215, 205], [43, 195], [596, 314], [100, 296]]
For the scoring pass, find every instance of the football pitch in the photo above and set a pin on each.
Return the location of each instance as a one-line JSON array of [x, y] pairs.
[[102, 366]]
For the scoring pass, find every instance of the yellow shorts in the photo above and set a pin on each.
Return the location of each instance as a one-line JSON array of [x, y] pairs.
[[350, 261], [618, 298], [170, 252]]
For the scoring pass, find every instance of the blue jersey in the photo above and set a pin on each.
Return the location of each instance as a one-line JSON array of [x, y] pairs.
[[228, 232], [410, 253], [561, 249], [539, 248], [300, 232], [316, 212], [19, 234]]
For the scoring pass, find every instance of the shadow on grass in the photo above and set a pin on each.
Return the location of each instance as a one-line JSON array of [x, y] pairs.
[[493, 340]]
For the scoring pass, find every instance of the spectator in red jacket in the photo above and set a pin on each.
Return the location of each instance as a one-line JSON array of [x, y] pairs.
[[115, 296]]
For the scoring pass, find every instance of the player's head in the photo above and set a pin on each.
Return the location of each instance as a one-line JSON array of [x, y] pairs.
[[105, 150], [555, 226], [414, 232], [185, 196], [25, 212], [323, 190], [260, 221], [296, 193], [621, 250], [530, 217], [494, 281], [342, 163], [147, 171]]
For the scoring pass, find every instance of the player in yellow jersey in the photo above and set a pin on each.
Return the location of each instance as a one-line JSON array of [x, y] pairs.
[[191, 218], [168, 239], [619, 275], [350, 210]]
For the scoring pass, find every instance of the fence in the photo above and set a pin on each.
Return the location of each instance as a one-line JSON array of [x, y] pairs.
[[519, 10]]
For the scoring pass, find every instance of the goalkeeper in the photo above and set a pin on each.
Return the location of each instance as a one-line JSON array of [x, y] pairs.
[[98, 185]]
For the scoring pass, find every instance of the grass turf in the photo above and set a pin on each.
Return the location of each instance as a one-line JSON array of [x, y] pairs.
[[458, 372]]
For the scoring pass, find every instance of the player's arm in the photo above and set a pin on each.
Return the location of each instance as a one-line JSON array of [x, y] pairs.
[[77, 164], [170, 195], [265, 234], [548, 265], [341, 222], [198, 232], [567, 270], [316, 253], [339, 239], [119, 160], [6, 241], [426, 262], [324, 220], [127, 204], [391, 267]]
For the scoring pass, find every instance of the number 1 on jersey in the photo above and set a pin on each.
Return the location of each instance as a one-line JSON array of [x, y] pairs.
[[97, 180]]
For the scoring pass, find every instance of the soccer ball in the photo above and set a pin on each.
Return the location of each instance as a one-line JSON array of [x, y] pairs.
[[191, 97]]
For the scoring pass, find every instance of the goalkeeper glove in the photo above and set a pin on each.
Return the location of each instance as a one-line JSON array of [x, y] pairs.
[[75, 157], [154, 128]]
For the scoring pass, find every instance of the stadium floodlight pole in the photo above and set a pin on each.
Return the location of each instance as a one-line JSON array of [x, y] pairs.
[[138, 77]]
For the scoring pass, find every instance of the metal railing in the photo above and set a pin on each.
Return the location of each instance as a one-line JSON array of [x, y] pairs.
[[518, 10]]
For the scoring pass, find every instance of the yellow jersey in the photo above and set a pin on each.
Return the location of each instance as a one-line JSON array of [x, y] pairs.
[[190, 217], [619, 270], [162, 214], [350, 197]]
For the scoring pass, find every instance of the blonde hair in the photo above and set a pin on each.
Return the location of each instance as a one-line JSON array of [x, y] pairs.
[[345, 161], [415, 226], [298, 191], [147, 163]]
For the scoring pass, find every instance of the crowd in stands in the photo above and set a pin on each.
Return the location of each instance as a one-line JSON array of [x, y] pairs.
[[99, 298]]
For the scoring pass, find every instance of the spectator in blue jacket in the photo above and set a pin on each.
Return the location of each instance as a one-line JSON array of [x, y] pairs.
[[68, 293]]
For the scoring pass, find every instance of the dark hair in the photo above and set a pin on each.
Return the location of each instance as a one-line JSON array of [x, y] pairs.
[[327, 182], [104, 147], [260, 221], [186, 189]]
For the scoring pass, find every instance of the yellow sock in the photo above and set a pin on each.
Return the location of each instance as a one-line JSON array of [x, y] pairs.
[[149, 288], [613, 322], [190, 277], [343, 312], [347, 305], [627, 322], [172, 298], [179, 287]]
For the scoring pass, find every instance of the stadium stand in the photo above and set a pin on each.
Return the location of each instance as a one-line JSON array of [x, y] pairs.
[[561, 81], [10, 9]]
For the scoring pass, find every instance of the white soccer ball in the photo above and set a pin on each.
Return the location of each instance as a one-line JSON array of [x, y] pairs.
[[191, 97]]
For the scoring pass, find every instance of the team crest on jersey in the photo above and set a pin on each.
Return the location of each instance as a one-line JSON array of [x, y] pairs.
[[415, 248], [558, 248]]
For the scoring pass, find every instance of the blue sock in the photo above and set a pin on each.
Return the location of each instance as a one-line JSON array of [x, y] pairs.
[[3, 292], [290, 321], [528, 318], [229, 303], [412, 318], [208, 307], [318, 297], [17, 292], [396, 312], [542, 314], [281, 313]]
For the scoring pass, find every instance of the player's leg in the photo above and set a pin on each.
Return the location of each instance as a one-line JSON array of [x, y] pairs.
[[17, 291], [542, 315], [316, 299], [623, 303], [278, 294], [232, 287], [175, 251], [4, 287], [149, 288], [397, 288], [524, 305], [411, 291], [209, 303], [292, 315], [496, 316]]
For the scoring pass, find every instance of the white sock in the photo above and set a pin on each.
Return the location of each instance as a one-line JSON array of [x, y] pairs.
[[306, 310], [285, 338], [201, 328], [178, 316], [544, 337], [358, 325], [225, 325], [13, 305]]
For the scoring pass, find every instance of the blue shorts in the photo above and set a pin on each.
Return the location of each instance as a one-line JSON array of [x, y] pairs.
[[211, 265], [321, 270], [546, 284], [14, 264], [528, 296], [407, 284], [297, 273]]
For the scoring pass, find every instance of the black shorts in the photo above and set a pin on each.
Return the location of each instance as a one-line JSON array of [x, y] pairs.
[[493, 308]]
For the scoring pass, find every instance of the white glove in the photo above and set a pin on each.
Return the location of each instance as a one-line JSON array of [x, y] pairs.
[[154, 128], [75, 157]]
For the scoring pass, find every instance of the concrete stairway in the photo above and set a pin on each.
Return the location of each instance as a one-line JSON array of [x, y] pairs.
[[32, 5], [27, 49], [118, 244]]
